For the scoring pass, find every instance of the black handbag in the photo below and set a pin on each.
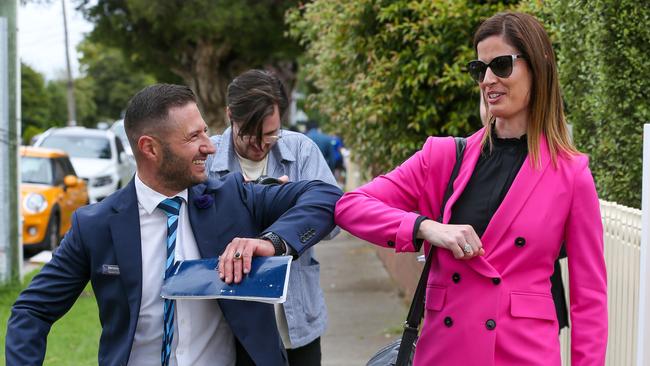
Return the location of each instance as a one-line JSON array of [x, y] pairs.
[[400, 352]]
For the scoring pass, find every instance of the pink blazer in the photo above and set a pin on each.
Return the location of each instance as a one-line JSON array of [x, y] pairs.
[[496, 309]]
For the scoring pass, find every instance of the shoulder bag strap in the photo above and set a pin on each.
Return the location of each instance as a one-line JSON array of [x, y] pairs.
[[416, 311]]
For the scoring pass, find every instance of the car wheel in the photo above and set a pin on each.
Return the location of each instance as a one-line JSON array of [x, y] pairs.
[[52, 235]]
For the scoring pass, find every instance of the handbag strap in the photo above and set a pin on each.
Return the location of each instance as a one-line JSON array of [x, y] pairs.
[[416, 311]]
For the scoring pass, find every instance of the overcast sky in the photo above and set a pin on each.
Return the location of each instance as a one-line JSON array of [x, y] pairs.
[[41, 42]]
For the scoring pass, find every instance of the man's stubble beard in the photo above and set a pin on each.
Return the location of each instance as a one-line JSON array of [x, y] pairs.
[[174, 171]]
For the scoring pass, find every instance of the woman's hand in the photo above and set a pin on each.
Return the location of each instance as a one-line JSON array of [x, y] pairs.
[[461, 240]]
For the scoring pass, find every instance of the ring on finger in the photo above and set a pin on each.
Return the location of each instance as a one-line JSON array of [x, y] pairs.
[[237, 255], [467, 248]]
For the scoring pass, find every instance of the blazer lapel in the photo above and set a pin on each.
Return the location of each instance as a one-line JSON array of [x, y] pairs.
[[203, 222], [125, 232], [470, 158], [523, 185]]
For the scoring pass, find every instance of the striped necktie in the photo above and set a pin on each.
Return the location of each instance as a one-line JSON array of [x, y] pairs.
[[171, 207]]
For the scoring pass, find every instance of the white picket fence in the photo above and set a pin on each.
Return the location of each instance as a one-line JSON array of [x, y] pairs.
[[622, 229]]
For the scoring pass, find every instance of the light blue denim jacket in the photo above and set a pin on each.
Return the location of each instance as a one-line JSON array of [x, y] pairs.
[[298, 157]]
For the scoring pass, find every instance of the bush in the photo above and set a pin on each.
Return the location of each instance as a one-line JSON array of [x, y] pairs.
[[389, 73], [604, 67]]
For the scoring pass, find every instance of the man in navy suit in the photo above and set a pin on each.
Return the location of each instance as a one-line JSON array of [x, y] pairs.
[[122, 245]]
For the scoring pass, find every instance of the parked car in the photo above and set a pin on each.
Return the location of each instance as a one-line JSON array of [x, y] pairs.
[[97, 156], [118, 129], [50, 192]]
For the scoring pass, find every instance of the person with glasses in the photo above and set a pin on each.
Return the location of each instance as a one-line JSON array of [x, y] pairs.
[[127, 244], [522, 190], [256, 146]]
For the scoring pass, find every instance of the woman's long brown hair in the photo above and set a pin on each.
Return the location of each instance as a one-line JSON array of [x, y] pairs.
[[546, 114]]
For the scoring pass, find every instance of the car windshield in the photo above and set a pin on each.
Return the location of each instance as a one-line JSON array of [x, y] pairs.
[[35, 170], [80, 146]]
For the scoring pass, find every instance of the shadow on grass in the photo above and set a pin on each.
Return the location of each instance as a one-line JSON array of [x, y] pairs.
[[73, 340]]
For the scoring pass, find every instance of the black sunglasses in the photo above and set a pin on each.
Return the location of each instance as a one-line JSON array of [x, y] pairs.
[[501, 66]]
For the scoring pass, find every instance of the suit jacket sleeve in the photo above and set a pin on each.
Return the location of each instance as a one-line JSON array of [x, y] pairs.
[[301, 213], [314, 167], [47, 298], [587, 273], [382, 211]]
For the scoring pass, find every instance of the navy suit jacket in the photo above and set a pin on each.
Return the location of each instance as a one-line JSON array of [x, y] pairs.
[[108, 233]]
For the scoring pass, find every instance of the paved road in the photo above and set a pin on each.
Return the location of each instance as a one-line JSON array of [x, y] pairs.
[[365, 310]]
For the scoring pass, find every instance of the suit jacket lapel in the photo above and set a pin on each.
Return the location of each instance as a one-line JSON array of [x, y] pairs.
[[517, 195], [125, 232], [470, 157], [203, 222]]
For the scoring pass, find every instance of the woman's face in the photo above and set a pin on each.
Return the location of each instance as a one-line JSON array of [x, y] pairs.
[[509, 97]]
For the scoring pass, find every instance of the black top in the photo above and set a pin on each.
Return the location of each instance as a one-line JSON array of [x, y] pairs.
[[492, 177]]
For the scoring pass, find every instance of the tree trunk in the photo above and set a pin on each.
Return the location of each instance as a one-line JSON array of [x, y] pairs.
[[208, 69]]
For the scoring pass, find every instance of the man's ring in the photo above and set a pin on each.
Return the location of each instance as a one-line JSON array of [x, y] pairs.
[[467, 248], [237, 255]]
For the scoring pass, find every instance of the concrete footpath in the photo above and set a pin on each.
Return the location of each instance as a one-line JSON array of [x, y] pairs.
[[365, 309]]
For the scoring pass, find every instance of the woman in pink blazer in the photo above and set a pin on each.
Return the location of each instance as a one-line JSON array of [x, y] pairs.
[[522, 190]]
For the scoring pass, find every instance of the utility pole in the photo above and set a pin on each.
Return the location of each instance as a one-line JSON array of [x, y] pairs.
[[72, 114], [10, 241]]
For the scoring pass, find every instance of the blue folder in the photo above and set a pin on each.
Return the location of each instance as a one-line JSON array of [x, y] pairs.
[[199, 279]]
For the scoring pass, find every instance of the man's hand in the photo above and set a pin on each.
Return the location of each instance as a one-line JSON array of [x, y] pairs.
[[461, 240], [236, 258]]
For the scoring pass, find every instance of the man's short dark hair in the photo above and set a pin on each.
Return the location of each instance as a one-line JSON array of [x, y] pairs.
[[147, 111], [251, 97]]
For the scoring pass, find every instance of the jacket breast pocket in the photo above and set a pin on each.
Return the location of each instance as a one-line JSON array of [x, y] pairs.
[[532, 305], [435, 297]]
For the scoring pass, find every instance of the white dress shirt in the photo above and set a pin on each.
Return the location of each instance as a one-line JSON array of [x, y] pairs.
[[201, 334]]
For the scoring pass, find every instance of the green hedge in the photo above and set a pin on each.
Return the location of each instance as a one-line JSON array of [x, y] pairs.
[[604, 61], [390, 73]]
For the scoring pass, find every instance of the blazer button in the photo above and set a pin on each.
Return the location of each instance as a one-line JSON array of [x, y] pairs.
[[490, 324], [496, 280], [520, 242], [448, 322], [455, 277], [391, 243]]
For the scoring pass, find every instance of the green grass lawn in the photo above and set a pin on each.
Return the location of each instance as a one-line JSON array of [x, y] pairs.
[[73, 339]]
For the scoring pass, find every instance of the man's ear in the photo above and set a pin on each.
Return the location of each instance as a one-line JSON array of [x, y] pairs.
[[149, 147]]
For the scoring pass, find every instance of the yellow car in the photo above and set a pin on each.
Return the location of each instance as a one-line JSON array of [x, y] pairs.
[[50, 192]]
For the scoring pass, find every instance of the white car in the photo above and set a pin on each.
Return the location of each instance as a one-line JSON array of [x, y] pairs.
[[98, 156], [118, 129]]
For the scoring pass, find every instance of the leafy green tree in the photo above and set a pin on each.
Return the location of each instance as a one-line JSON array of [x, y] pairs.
[[113, 80], [58, 106], [203, 43], [391, 72], [83, 94], [34, 102]]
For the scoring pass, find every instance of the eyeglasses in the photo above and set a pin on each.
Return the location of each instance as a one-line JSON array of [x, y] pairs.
[[501, 66], [266, 139]]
